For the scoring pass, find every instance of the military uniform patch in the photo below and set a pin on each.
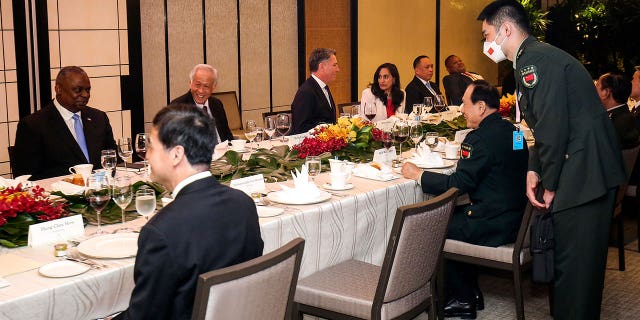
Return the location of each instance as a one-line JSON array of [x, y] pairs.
[[529, 76], [465, 151]]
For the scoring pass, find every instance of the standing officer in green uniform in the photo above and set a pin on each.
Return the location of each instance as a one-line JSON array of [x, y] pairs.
[[492, 170], [576, 159]]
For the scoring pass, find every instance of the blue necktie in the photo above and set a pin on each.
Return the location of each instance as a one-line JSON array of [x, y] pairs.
[[77, 127], [430, 89]]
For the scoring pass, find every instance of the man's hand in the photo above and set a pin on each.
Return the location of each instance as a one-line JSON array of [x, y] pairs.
[[411, 171], [532, 186]]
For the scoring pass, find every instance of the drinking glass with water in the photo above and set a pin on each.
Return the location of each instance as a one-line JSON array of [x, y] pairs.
[[145, 202]]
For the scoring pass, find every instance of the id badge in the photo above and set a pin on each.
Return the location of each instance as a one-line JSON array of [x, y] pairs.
[[518, 140]]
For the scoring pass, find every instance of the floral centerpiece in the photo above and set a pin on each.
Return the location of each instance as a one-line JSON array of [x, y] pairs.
[[350, 138], [508, 106], [20, 208]]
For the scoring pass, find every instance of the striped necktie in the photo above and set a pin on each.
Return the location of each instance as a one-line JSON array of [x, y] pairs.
[[431, 89]]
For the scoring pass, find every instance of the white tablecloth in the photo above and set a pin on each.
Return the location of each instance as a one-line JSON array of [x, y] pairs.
[[352, 224]]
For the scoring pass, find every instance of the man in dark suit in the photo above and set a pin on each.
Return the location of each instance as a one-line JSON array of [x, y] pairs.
[[493, 173], [203, 81], [458, 79], [576, 159], [206, 227], [421, 85], [313, 103], [614, 90], [64, 133]]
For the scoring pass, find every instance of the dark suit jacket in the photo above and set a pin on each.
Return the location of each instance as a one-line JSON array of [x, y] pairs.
[[46, 148], [576, 152], [454, 87], [310, 108], [625, 125], [207, 227], [217, 111], [416, 92], [494, 176]]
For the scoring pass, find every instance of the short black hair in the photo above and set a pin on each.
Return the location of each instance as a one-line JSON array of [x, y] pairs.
[[65, 71], [484, 91], [187, 126], [448, 60], [500, 11], [319, 55], [619, 84], [417, 60]]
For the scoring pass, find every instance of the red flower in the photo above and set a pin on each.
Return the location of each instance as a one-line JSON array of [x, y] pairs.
[[15, 200]]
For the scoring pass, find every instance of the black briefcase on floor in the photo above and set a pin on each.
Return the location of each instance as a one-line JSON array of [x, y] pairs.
[[542, 246]]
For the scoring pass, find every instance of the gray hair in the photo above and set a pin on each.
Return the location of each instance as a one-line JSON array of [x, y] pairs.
[[318, 56], [206, 67]]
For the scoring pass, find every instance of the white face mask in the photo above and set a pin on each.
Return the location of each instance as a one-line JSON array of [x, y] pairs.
[[494, 50]]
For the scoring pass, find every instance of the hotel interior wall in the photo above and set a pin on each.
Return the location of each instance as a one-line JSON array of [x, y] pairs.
[[8, 86]]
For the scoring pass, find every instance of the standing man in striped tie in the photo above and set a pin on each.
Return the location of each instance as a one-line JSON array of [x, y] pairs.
[[458, 79], [421, 86], [63, 133], [203, 80], [313, 103]]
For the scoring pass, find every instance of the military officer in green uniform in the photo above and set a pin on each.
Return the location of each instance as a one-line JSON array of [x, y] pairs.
[[576, 159], [492, 171]]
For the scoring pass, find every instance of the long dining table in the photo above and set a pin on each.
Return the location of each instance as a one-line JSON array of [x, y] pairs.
[[353, 223]]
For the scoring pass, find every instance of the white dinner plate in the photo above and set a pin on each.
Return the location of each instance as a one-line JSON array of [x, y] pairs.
[[110, 246], [63, 268], [281, 197], [347, 186], [446, 164], [266, 212], [456, 158]]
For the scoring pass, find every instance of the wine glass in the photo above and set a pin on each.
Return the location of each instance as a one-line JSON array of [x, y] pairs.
[[108, 160], [440, 103], [401, 134], [125, 151], [122, 193], [98, 194], [142, 140], [355, 110], [370, 111], [259, 136], [428, 104], [270, 126], [416, 135], [250, 130], [431, 138], [314, 166], [387, 139], [283, 123], [145, 202]]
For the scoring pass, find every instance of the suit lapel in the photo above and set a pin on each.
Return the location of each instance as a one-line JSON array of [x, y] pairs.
[[320, 94], [66, 138]]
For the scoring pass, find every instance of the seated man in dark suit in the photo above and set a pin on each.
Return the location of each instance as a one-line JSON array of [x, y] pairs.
[[421, 85], [203, 80], [493, 173], [64, 133], [458, 79], [313, 103], [614, 90], [206, 227]]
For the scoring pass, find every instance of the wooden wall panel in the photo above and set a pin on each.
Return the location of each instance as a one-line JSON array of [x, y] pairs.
[[185, 43], [254, 54], [153, 57], [284, 47], [222, 42]]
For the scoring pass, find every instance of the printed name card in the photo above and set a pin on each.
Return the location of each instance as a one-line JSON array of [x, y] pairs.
[[384, 156], [249, 184], [59, 230]]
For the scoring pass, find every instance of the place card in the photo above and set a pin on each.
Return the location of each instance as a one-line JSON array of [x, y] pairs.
[[59, 230], [385, 156], [249, 184]]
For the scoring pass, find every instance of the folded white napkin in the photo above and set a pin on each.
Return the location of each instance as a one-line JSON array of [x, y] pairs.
[[366, 170], [461, 135], [440, 146], [303, 189], [67, 188], [425, 157], [224, 145], [7, 183]]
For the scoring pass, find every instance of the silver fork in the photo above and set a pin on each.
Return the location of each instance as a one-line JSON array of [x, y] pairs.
[[78, 258]]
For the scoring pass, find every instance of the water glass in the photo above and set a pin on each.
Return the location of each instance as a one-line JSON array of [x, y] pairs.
[[109, 160], [314, 166], [145, 202], [98, 194], [125, 150], [431, 139]]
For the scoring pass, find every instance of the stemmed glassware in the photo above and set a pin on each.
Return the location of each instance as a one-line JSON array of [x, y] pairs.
[[122, 193], [125, 151], [431, 138], [145, 202], [440, 103], [283, 124], [270, 126], [141, 143], [416, 135], [259, 136], [428, 104], [401, 134], [108, 160], [250, 130], [370, 111], [314, 166], [387, 139], [98, 194]]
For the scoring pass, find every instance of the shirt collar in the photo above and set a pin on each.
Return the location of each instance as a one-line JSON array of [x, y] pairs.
[[188, 180], [515, 58], [422, 80], [206, 103], [616, 107], [320, 82], [66, 114]]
